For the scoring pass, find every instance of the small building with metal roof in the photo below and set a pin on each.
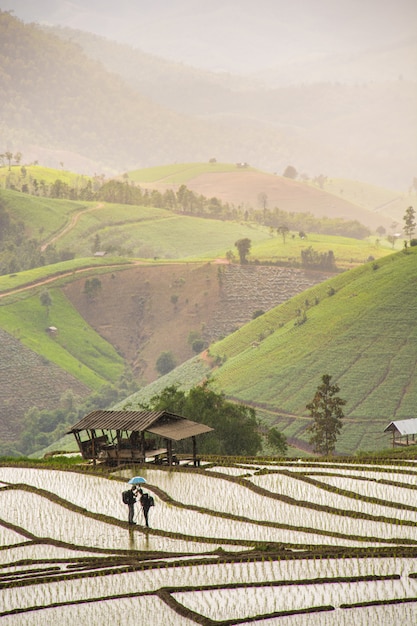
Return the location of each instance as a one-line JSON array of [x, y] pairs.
[[134, 436], [403, 431]]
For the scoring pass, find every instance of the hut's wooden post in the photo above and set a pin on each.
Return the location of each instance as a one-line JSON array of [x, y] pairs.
[[93, 446], [142, 445], [194, 450], [119, 438], [78, 440], [169, 451]]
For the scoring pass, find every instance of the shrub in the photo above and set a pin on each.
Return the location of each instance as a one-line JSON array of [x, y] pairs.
[[165, 363]]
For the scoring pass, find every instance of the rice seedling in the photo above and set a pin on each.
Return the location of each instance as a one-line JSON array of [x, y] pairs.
[[296, 541]]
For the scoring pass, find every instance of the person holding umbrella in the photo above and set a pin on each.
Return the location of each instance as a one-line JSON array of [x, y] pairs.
[[146, 502], [129, 497]]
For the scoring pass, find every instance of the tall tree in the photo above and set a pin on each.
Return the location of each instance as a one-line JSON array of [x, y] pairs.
[[409, 222], [326, 411], [45, 300], [243, 246], [9, 157], [283, 231]]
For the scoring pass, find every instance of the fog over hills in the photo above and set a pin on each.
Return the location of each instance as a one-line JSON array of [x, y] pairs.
[[243, 36], [330, 89]]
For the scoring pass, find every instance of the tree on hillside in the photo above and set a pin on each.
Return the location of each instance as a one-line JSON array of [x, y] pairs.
[[230, 256], [290, 172], [92, 287], [9, 157], [409, 222], [277, 441], [283, 231], [392, 240], [312, 259], [165, 363], [46, 300], [235, 425], [326, 411], [243, 246], [262, 200]]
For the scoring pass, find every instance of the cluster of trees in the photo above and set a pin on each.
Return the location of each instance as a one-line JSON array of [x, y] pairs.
[[277, 219], [184, 201], [92, 287], [8, 157], [236, 428], [312, 259], [17, 253], [44, 427]]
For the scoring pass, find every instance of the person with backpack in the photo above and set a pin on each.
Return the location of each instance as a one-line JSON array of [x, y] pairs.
[[146, 502], [129, 498]]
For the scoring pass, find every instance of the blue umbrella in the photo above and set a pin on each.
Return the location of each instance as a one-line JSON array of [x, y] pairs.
[[137, 480]]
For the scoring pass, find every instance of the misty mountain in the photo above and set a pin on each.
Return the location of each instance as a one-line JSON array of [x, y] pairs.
[[246, 37], [96, 105]]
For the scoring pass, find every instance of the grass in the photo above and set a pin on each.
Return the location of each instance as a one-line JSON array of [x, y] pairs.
[[363, 335], [77, 348], [147, 232], [40, 173], [180, 173], [371, 197], [144, 232], [64, 271], [42, 216], [348, 252], [150, 232]]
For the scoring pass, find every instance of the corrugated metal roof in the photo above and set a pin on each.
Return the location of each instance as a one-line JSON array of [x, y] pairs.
[[163, 423], [180, 429], [403, 427]]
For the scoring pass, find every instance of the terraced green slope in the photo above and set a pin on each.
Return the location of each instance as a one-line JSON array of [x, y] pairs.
[[364, 335], [359, 327], [76, 348]]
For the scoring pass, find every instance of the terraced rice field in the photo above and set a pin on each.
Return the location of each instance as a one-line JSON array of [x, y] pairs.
[[293, 544]]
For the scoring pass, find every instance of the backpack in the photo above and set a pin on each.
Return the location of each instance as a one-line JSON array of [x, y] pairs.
[[147, 501], [127, 496]]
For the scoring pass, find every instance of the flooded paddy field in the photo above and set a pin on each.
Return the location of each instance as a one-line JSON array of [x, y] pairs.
[[291, 544]]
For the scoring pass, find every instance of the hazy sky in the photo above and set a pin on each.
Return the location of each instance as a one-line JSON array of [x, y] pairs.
[[233, 35]]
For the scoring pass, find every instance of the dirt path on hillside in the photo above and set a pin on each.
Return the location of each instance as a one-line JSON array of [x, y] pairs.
[[51, 279], [73, 222]]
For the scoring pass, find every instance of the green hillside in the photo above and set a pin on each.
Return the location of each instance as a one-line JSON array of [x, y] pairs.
[[96, 340], [363, 335], [75, 348], [124, 230], [149, 232], [359, 327], [18, 175], [41, 216], [378, 199], [179, 173]]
